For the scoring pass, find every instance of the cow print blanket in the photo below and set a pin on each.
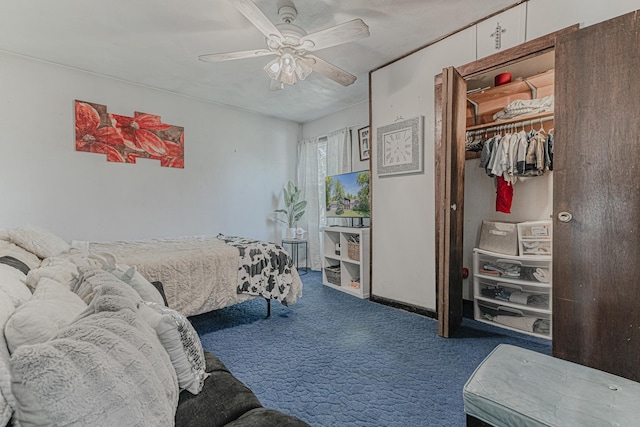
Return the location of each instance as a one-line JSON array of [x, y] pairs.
[[264, 268]]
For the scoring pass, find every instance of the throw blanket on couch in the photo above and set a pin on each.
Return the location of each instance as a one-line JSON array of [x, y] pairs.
[[264, 268]]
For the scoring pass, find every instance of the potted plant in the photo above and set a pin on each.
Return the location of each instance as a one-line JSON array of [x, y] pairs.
[[294, 208]]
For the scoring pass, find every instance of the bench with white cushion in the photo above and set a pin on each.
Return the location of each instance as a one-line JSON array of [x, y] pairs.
[[513, 386]]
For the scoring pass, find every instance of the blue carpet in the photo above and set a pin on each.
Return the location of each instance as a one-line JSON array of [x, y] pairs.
[[336, 360]]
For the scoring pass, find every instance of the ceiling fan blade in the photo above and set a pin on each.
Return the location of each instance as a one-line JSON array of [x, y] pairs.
[[257, 18], [333, 36], [217, 57], [329, 70]]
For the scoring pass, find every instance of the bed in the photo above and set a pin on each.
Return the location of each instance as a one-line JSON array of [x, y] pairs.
[[204, 273]]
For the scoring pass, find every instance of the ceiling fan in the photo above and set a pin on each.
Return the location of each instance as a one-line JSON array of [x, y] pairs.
[[292, 45]]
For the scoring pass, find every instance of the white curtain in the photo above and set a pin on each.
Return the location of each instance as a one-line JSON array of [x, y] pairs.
[[318, 158], [309, 182], [339, 152]]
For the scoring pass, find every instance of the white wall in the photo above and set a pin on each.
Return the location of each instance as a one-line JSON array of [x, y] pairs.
[[403, 213], [547, 16], [235, 162], [403, 206]]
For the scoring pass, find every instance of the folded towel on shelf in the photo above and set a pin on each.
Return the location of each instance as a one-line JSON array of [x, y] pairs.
[[521, 107], [542, 275]]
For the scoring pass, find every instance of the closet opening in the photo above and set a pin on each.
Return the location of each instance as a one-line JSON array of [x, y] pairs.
[[508, 179], [465, 195]]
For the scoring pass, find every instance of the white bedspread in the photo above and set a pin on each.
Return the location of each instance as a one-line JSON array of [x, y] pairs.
[[199, 274]]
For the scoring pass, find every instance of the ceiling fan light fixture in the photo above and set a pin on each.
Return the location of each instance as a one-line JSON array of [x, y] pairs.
[[288, 67], [273, 69], [303, 69], [288, 63]]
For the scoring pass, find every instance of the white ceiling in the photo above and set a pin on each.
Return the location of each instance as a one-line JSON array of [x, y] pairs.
[[156, 43]]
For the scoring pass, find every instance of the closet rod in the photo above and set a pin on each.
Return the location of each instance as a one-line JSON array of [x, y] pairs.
[[510, 125]]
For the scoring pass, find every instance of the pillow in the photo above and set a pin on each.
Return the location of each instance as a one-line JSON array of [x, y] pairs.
[[38, 241], [12, 283], [13, 250], [92, 278], [6, 311], [160, 287], [4, 234], [6, 409], [181, 341], [84, 260], [108, 369], [7, 402], [15, 263], [142, 286], [59, 269], [117, 295], [52, 307]]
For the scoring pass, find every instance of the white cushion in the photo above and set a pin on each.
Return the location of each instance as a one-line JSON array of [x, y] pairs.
[[6, 311], [4, 234], [6, 410], [59, 269], [52, 307], [91, 279], [181, 341], [514, 386], [38, 241], [107, 369], [130, 276], [84, 260], [19, 253], [7, 402], [12, 283]]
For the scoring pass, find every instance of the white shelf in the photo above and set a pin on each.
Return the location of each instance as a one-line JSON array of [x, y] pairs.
[[516, 257], [514, 303], [353, 269], [514, 281], [489, 322]]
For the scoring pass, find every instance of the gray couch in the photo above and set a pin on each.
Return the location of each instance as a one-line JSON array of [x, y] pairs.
[[89, 342], [225, 400]]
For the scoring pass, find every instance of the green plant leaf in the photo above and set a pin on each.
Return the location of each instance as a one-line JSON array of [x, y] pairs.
[[294, 207]]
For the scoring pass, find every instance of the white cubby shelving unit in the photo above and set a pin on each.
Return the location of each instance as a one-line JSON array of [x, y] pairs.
[[343, 267]]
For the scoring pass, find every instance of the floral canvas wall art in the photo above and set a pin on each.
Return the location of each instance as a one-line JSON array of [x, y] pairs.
[[123, 139]]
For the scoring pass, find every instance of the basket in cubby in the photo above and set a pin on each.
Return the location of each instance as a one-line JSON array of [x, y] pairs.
[[333, 274], [353, 250]]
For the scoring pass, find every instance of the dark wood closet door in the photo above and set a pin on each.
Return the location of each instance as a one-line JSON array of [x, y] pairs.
[[596, 255], [452, 210]]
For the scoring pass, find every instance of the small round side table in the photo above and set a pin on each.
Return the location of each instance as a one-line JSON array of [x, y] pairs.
[[297, 248]]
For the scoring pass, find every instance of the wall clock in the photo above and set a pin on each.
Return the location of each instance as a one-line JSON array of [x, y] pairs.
[[400, 147]]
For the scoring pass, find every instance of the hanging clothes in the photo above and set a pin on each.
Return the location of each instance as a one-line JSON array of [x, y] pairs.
[[548, 151], [510, 155], [504, 195]]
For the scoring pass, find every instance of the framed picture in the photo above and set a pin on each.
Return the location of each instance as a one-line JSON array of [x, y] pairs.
[[400, 147], [364, 143]]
